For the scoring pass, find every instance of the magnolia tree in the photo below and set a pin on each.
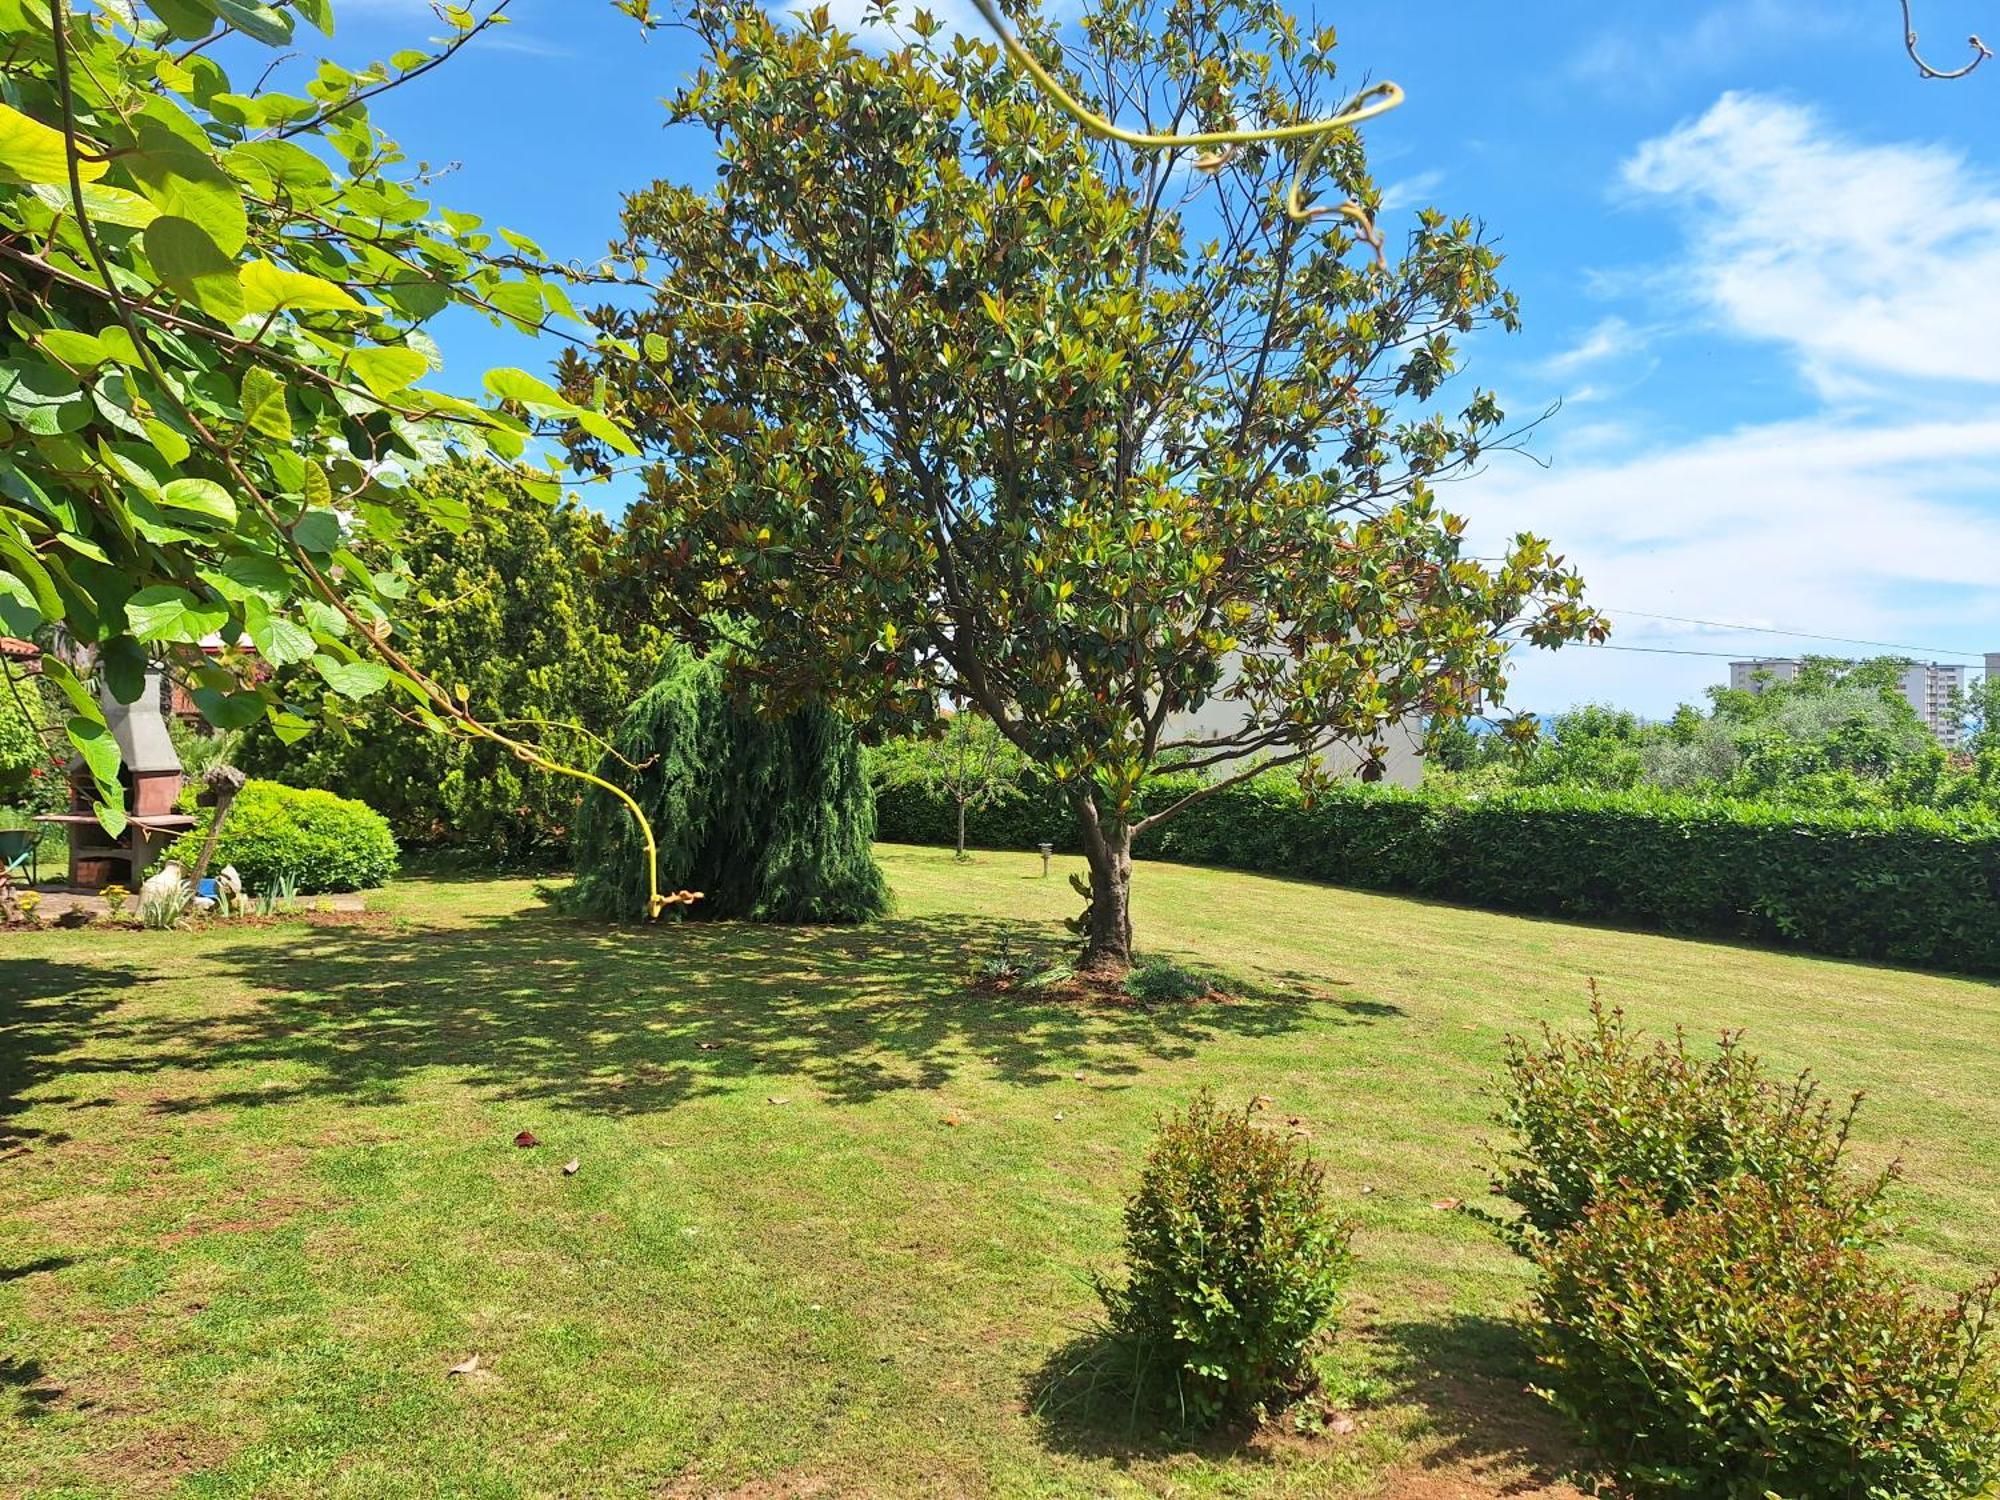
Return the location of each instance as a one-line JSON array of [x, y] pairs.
[[213, 370], [951, 400]]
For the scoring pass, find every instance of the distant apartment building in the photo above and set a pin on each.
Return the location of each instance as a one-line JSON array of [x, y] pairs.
[[1929, 687]]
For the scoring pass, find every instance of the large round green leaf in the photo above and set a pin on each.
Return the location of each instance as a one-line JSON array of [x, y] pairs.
[[42, 398], [31, 152], [202, 496], [387, 371], [171, 614], [187, 260], [177, 179], [267, 288]]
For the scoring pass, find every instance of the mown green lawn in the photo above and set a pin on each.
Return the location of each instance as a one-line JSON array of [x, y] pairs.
[[834, 1211]]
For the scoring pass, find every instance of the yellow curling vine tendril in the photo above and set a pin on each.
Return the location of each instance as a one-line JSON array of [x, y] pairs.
[[655, 902], [1980, 51], [1377, 99], [458, 719]]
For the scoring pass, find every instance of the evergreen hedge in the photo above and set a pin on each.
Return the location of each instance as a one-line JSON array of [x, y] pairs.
[[1912, 887]]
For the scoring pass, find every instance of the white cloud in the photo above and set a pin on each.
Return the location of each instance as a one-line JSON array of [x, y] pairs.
[[1405, 192], [1631, 59], [1886, 532], [1868, 262], [1874, 271], [1611, 338]]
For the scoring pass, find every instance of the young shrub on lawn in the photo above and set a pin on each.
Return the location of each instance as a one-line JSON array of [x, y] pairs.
[[1236, 1262], [1744, 1347], [1591, 1112]]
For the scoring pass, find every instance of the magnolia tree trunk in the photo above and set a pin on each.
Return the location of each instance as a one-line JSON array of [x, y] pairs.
[[961, 828], [1107, 846]]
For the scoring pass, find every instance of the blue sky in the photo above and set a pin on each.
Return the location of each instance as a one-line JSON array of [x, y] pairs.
[[1758, 257]]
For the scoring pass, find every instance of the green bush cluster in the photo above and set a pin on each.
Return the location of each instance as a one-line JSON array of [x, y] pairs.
[[525, 612], [33, 766], [21, 749], [1235, 1261], [1709, 1314], [1915, 887], [1745, 1348], [323, 842], [1613, 1112]]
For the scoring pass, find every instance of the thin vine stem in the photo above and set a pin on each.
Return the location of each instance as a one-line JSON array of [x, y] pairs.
[[1980, 51], [441, 704], [1220, 145]]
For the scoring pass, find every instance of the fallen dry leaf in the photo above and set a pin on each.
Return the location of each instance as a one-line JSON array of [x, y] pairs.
[[709, 1046], [778, 1099], [1262, 1101], [1341, 1426], [526, 1138], [571, 1167], [464, 1367], [1446, 1205], [1059, 1114], [953, 1120]]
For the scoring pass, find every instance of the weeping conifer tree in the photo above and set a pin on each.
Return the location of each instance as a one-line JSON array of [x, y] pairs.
[[771, 821]]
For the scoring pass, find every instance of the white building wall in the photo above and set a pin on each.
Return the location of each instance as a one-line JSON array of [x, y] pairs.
[[1750, 676], [1403, 741]]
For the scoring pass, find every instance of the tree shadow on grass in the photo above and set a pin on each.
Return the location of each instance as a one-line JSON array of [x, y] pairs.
[[1470, 1374], [636, 1020], [26, 1389], [47, 1010], [34, 1268]]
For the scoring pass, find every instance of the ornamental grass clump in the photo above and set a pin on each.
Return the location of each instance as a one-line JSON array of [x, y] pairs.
[[1235, 1264], [1610, 1108], [1744, 1347], [1161, 981]]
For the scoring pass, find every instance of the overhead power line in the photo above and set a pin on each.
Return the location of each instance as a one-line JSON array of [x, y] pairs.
[[1664, 651], [1796, 635], [1799, 635]]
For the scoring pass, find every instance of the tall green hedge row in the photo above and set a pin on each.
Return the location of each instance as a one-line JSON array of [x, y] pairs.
[[1912, 887]]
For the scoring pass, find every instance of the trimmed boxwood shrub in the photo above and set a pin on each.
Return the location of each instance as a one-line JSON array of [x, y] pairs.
[[325, 843], [1746, 1348], [1914, 887]]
